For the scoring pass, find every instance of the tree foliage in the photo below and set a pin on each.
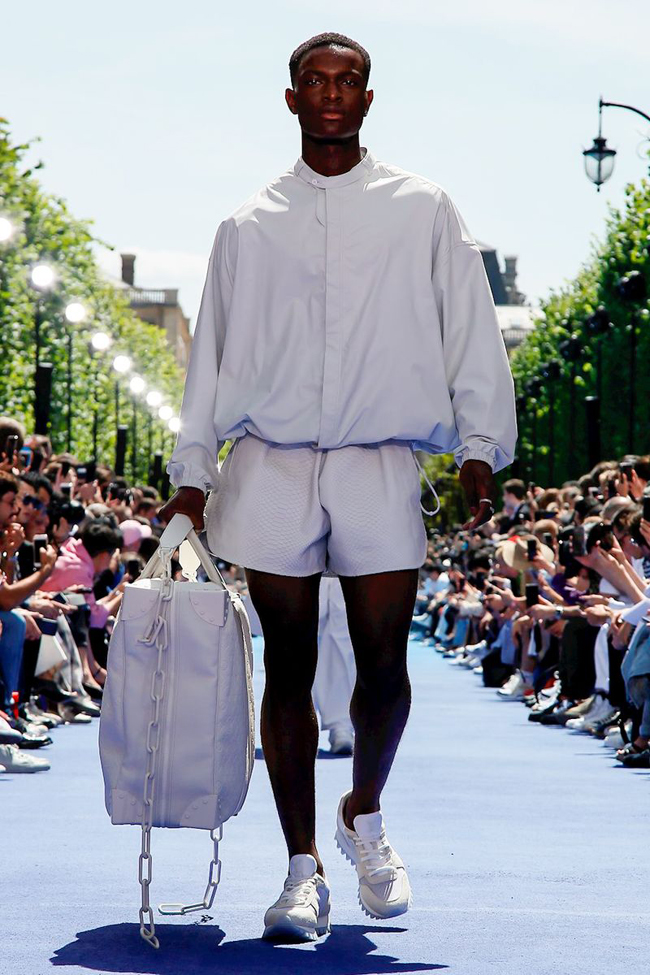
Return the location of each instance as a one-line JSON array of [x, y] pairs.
[[47, 232], [624, 353]]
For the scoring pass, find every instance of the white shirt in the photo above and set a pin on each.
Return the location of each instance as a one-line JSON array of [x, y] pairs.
[[351, 309]]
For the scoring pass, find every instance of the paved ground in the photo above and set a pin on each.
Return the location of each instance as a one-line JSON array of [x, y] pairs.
[[527, 850]]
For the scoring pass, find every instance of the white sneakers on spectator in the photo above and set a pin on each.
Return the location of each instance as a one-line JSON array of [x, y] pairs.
[[341, 741], [514, 688], [302, 911], [600, 710], [12, 759], [384, 889]]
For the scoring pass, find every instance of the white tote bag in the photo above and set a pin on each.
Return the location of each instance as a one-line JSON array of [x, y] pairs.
[[176, 734]]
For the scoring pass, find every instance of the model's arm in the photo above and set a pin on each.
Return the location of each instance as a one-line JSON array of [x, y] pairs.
[[193, 467], [476, 363]]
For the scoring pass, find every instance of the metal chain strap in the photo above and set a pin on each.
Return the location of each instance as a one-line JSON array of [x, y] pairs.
[[157, 635]]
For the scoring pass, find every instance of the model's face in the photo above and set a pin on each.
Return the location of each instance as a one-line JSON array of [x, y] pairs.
[[330, 97]]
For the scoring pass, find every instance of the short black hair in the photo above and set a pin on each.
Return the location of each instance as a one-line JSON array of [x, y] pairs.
[[324, 40], [99, 536]]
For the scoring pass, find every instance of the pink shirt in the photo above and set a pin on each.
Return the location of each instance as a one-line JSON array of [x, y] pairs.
[[74, 567]]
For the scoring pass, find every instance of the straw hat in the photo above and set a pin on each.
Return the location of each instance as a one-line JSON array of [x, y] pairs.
[[514, 552]]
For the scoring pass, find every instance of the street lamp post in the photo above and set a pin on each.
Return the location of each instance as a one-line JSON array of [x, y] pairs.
[[154, 399], [632, 289], [121, 365], [137, 386], [599, 158], [570, 351], [100, 342], [74, 313], [42, 277]]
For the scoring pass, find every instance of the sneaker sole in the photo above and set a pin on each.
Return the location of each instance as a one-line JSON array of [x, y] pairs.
[[289, 933], [340, 842]]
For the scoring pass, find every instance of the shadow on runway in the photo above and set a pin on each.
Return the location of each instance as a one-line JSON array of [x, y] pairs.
[[192, 949]]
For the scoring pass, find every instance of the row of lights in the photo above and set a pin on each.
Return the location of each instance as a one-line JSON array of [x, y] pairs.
[[43, 278]]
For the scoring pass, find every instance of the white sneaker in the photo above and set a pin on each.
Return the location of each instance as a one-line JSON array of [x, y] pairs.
[[302, 911], [384, 889], [600, 706], [513, 689], [12, 759], [341, 741]]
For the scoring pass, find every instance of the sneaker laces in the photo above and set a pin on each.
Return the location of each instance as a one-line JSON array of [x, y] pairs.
[[376, 855], [297, 891]]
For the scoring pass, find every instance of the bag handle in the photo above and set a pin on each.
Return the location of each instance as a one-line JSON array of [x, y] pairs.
[[179, 529]]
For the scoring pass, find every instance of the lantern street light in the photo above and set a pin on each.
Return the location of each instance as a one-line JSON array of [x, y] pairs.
[[75, 313], [599, 158], [165, 413], [121, 364], [175, 424]]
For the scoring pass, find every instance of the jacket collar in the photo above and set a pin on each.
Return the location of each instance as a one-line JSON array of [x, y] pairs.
[[357, 172]]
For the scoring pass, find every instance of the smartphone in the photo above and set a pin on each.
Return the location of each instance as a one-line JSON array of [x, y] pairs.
[[565, 553], [66, 490], [37, 460], [82, 473], [65, 468], [47, 627], [532, 594], [134, 568], [579, 541], [60, 597], [91, 470], [611, 487], [626, 468], [531, 545], [76, 599], [11, 446], [25, 455], [548, 539], [646, 507], [40, 542]]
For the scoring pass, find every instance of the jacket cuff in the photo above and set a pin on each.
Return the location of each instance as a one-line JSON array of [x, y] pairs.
[[469, 453]]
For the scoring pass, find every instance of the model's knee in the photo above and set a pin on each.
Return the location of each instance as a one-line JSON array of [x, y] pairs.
[[384, 676]]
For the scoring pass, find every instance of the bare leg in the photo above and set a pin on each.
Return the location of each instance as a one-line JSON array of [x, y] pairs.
[[288, 611], [379, 609]]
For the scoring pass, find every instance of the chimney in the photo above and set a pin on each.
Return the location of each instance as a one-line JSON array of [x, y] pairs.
[[510, 281], [128, 268]]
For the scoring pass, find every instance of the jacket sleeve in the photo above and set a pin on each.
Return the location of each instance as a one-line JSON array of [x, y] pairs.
[[194, 461], [476, 362]]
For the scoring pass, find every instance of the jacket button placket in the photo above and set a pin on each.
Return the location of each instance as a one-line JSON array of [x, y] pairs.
[[332, 363]]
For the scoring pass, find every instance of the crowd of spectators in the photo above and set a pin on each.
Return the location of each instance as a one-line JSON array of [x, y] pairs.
[[548, 603], [71, 536]]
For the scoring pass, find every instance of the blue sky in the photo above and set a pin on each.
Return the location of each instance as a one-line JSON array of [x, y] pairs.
[[158, 119]]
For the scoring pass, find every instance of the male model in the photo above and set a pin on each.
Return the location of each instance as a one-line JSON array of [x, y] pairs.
[[346, 320]]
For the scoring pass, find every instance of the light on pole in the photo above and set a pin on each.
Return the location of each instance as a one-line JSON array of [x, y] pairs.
[[75, 313], [599, 158], [42, 278], [121, 365], [7, 230]]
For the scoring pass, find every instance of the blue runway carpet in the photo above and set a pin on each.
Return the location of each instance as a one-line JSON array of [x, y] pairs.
[[527, 850]]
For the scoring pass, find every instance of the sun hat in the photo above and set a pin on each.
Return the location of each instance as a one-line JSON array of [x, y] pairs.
[[514, 552]]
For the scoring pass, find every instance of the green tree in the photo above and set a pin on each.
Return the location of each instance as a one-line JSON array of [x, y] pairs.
[[624, 349], [47, 232]]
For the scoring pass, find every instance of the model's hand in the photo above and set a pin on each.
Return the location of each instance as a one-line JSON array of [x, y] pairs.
[[478, 482], [188, 501]]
